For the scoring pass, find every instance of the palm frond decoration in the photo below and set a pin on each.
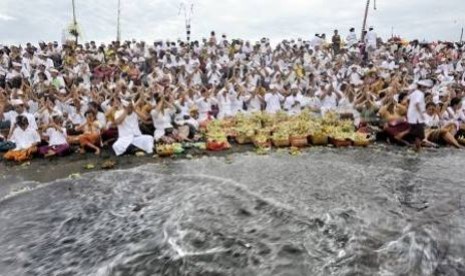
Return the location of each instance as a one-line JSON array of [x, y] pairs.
[[74, 30]]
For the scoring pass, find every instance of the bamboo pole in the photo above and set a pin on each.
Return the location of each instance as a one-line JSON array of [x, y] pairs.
[[365, 21], [118, 26], [461, 37], [75, 21], [74, 12]]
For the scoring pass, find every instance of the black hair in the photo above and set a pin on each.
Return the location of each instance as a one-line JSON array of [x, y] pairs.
[[57, 117], [455, 101], [96, 106], [43, 75], [402, 96], [90, 111], [343, 86], [22, 121], [430, 104]]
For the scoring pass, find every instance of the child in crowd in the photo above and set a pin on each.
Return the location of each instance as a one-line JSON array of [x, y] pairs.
[[56, 137]]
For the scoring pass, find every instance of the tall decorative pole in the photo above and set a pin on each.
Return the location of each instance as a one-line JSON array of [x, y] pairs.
[[187, 7], [118, 26], [365, 21], [74, 13], [75, 22], [461, 38]]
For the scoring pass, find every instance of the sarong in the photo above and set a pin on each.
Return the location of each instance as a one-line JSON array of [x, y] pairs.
[[59, 150], [20, 155], [90, 138], [395, 128]]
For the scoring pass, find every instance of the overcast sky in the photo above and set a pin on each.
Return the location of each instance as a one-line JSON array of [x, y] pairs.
[[34, 20]]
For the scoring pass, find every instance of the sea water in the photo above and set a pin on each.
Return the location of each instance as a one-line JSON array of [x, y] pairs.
[[324, 212]]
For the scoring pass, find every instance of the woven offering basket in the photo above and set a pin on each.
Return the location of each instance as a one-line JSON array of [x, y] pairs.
[[243, 139], [217, 146], [281, 143], [318, 139], [299, 141], [165, 152], [338, 143], [361, 143], [262, 144]]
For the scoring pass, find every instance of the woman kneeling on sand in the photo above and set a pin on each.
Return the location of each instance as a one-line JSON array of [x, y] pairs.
[[91, 133]]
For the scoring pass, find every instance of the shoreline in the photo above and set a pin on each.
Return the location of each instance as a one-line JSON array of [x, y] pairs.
[[47, 170]]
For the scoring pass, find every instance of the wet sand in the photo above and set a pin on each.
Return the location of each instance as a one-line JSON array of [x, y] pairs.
[[46, 170]]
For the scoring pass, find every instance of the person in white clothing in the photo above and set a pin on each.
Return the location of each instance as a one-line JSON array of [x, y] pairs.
[[436, 134], [455, 112], [56, 137], [129, 133], [432, 119], [25, 139], [254, 101], [162, 116], [204, 105], [20, 109], [273, 100], [351, 38], [329, 99], [294, 102], [416, 111], [224, 99], [371, 40]]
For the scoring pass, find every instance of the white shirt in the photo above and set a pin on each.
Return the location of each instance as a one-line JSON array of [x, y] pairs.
[[293, 104], [355, 78], [313, 103], [273, 102], [101, 119], [205, 106], [255, 104], [184, 107], [413, 115], [130, 125], [371, 39], [329, 102], [225, 105], [162, 120], [237, 104], [56, 137], [456, 116], [351, 39], [24, 139], [77, 118], [432, 121]]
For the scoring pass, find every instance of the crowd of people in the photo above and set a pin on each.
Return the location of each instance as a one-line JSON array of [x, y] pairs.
[[58, 98]]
